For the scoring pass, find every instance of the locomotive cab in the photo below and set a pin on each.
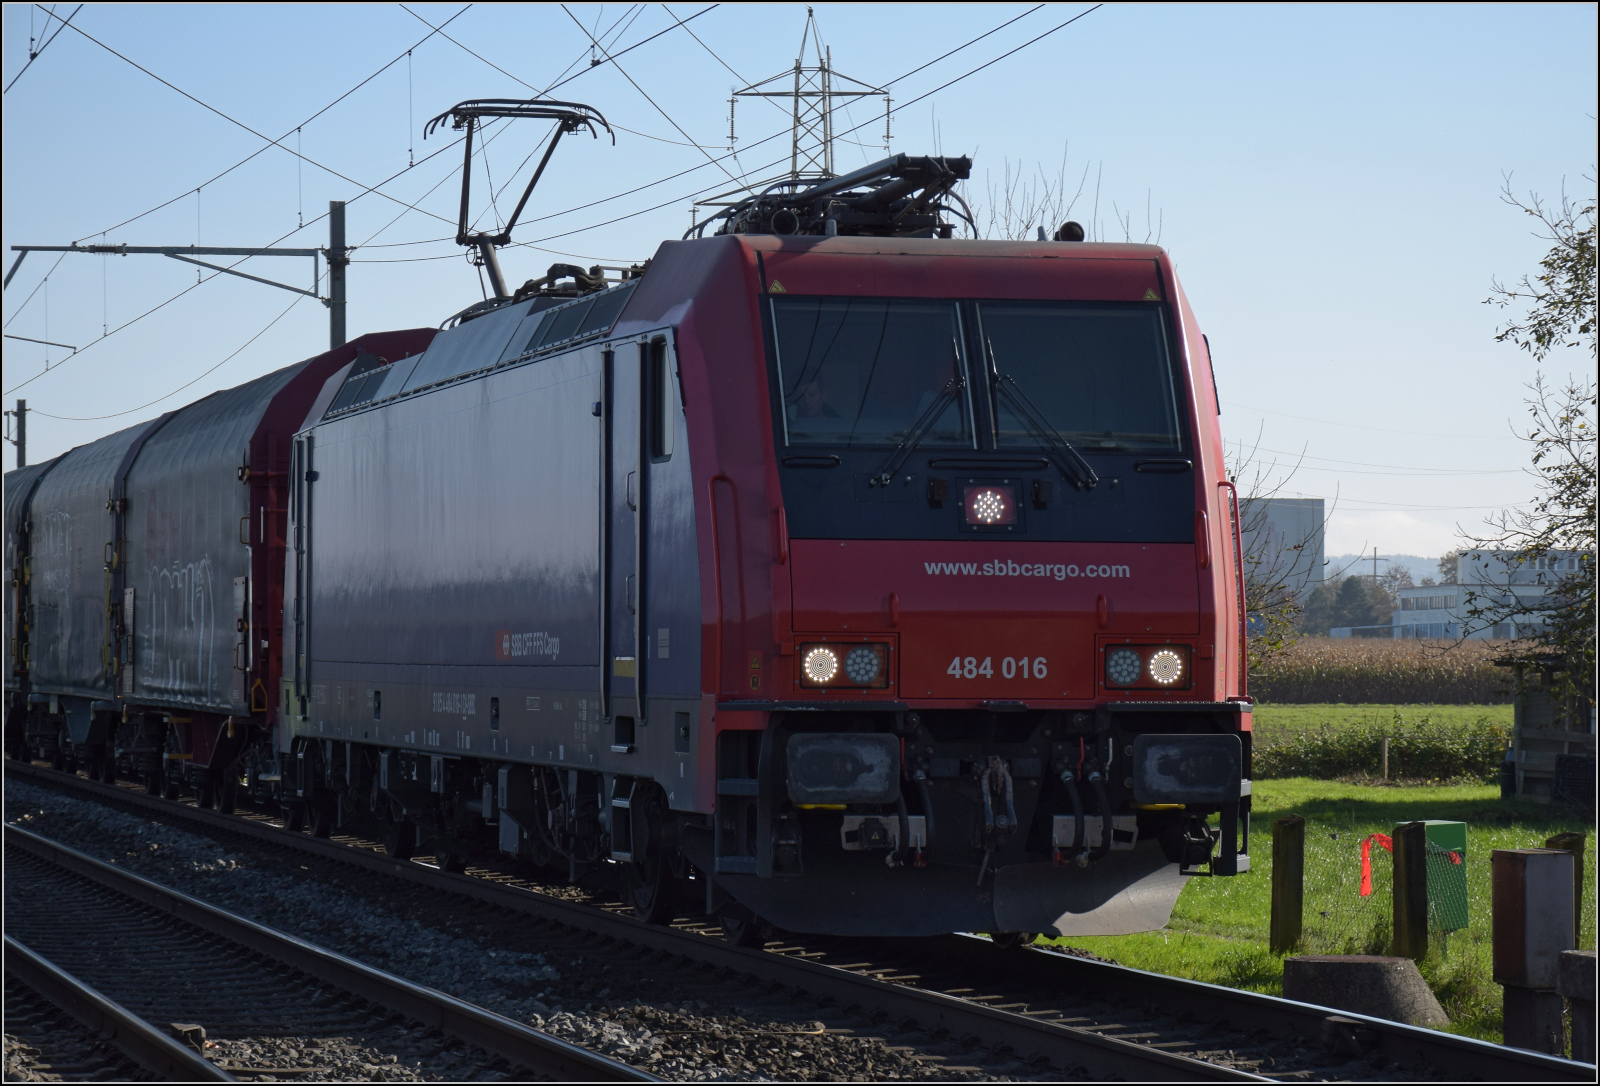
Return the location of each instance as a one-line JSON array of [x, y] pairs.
[[977, 660]]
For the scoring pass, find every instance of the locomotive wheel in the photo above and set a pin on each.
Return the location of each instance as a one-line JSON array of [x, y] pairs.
[[323, 815], [451, 856], [741, 927], [648, 885], [1008, 939], [400, 839]]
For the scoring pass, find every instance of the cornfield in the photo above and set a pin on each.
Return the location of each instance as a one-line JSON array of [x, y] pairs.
[[1322, 670]]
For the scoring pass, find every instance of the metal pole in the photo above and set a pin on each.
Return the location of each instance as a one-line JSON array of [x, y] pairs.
[[22, 433], [338, 258], [1386, 757]]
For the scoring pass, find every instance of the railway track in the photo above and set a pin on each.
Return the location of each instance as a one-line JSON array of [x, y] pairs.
[[46, 1043], [1029, 1001], [137, 955]]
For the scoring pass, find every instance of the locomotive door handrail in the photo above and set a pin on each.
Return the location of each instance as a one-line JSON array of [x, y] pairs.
[[1238, 590]]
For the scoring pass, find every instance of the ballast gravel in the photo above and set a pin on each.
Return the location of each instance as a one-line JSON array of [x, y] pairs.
[[651, 1021]]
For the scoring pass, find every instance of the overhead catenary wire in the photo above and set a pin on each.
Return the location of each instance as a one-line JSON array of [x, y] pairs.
[[365, 191], [186, 384], [536, 244], [1379, 429], [192, 286], [264, 148], [1366, 464], [768, 139], [714, 160], [235, 121], [34, 54]]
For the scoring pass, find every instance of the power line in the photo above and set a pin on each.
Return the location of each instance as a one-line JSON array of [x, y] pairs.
[[974, 41], [709, 157], [241, 260], [33, 56], [1379, 429], [270, 142], [180, 388], [1397, 467], [776, 135], [18, 311]]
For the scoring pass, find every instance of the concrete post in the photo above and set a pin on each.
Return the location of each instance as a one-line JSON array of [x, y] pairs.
[[1575, 977], [1288, 881], [1532, 924], [1411, 890]]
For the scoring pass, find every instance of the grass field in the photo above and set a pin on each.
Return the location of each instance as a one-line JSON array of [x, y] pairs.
[[1272, 720], [1219, 929]]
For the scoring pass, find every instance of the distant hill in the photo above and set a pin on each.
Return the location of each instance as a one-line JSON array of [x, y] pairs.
[[1346, 564]]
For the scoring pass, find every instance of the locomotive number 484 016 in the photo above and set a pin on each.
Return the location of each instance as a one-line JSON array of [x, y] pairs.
[[1011, 667]]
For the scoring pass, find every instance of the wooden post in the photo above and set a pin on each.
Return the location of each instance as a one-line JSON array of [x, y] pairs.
[[1288, 881], [1386, 757], [1573, 843], [1411, 890]]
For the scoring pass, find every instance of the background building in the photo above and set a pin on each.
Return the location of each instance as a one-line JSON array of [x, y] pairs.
[[1284, 537], [1482, 579]]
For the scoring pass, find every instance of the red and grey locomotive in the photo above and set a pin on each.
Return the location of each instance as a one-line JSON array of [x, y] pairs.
[[828, 571]]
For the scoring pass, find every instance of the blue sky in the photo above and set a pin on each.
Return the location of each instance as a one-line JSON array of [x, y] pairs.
[[1327, 178]]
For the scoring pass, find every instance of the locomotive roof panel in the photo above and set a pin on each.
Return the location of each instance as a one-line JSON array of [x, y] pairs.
[[511, 333]]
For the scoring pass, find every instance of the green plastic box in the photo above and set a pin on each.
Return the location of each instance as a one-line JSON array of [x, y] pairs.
[[1447, 878]]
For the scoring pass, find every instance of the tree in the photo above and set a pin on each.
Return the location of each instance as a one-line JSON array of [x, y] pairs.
[[1020, 206], [1276, 566], [1346, 601], [1447, 566], [1391, 581], [1559, 311]]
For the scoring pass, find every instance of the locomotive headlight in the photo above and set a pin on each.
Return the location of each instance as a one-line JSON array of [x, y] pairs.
[[862, 665], [988, 506], [820, 664], [1148, 667], [1166, 667], [1123, 666]]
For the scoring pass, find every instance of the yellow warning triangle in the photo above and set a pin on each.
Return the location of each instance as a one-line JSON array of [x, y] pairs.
[[1150, 295], [776, 288]]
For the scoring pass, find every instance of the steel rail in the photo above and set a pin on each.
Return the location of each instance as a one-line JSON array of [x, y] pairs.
[[141, 1042], [1450, 1055], [1065, 1046], [520, 1044]]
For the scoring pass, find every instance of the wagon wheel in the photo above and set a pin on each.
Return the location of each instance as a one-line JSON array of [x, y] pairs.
[[228, 796], [648, 885], [451, 855], [205, 796], [324, 812], [740, 926], [399, 839], [1006, 940]]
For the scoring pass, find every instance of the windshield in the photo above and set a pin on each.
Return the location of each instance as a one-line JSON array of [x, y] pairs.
[[1099, 374], [861, 371]]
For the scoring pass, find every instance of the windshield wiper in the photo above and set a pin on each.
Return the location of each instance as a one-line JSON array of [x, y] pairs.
[[919, 430], [1073, 467]]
